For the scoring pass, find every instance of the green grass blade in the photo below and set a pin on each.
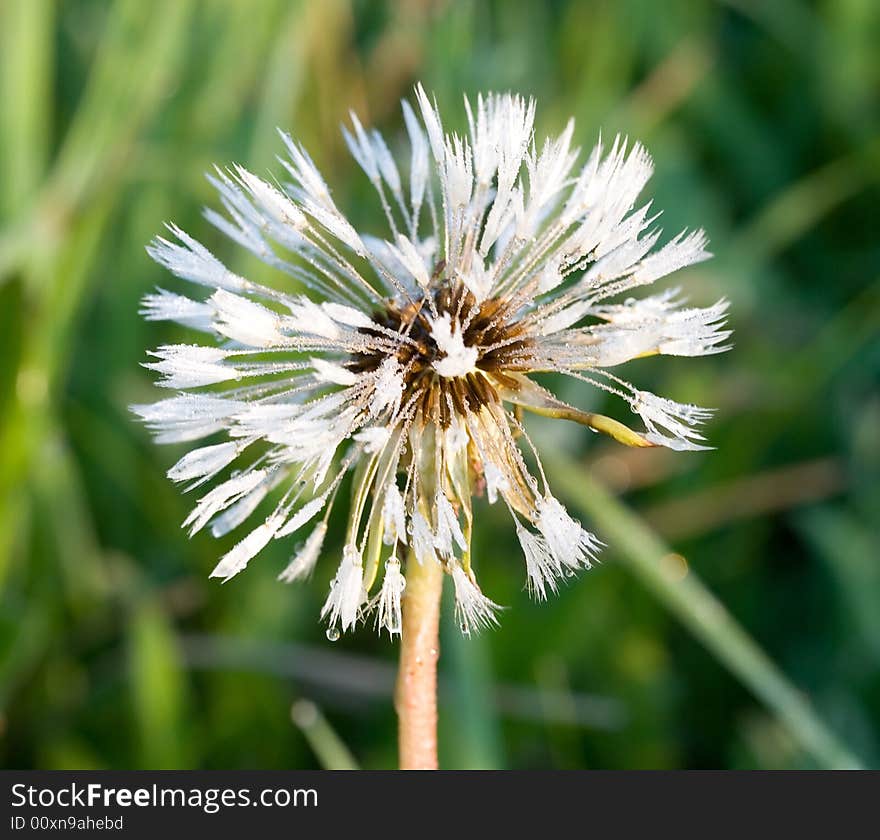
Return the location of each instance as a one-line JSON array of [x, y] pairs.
[[330, 749], [697, 608]]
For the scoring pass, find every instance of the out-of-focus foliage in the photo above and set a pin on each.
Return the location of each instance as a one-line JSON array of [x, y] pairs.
[[115, 648]]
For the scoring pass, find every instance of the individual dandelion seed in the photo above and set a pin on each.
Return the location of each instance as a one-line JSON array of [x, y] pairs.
[[403, 360]]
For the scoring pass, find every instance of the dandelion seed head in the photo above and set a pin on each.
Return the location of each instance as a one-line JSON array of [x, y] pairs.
[[398, 358]]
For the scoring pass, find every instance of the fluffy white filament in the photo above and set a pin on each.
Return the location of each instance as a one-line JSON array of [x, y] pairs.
[[458, 360], [388, 602], [302, 564], [347, 594], [473, 609]]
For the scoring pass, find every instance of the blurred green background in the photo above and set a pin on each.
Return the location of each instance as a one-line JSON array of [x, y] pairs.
[[115, 648]]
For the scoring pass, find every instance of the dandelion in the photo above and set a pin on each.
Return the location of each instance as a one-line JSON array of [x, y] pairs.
[[406, 360]]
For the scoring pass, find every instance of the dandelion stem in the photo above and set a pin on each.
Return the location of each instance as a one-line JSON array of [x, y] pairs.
[[416, 694]]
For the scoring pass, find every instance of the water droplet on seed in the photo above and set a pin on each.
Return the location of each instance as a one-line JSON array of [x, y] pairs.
[[332, 634]]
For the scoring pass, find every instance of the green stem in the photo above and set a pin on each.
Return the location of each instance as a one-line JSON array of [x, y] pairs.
[[696, 607]]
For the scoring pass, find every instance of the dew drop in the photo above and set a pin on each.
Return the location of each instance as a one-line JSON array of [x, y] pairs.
[[332, 634]]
